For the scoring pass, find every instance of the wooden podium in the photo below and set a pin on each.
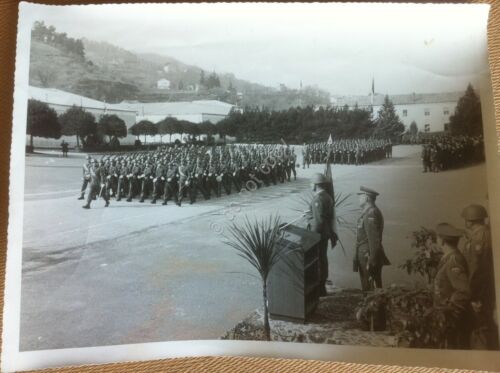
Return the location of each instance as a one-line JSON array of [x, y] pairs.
[[293, 284]]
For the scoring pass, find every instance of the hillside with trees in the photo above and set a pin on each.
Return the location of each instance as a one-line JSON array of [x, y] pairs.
[[109, 73]]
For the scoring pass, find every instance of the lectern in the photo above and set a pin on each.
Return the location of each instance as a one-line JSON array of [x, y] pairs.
[[293, 284]]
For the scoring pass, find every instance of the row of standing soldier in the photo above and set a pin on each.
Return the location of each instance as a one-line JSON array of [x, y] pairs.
[[180, 172], [354, 151], [440, 153]]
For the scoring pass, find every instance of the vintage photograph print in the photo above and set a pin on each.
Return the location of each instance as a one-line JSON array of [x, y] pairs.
[[303, 173]]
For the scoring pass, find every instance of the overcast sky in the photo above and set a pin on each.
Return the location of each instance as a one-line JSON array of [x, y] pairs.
[[405, 48]]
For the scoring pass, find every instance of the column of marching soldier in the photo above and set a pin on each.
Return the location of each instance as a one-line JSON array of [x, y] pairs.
[[440, 153], [347, 151], [186, 171]]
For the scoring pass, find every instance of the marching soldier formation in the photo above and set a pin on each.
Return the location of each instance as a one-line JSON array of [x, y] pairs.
[[176, 173], [441, 153], [353, 151]]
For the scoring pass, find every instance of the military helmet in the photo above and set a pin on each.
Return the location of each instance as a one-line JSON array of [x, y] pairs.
[[474, 212], [319, 179]]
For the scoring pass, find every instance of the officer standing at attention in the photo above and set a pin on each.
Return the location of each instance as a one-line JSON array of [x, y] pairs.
[[322, 223], [476, 248], [369, 256], [451, 287]]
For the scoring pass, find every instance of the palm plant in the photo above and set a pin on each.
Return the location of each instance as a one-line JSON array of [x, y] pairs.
[[343, 208], [258, 243]]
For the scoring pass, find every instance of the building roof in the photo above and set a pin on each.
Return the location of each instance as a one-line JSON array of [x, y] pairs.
[[57, 97], [402, 99], [213, 107]]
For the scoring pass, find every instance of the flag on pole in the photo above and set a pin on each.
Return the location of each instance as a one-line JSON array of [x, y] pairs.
[[330, 141], [331, 191]]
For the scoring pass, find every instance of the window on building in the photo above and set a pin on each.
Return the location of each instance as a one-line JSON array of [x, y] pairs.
[[427, 128], [447, 127], [405, 113], [446, 111], [427, 112]]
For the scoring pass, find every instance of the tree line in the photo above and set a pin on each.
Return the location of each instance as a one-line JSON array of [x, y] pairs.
[[43, 121], [295, 125], [311, 124]]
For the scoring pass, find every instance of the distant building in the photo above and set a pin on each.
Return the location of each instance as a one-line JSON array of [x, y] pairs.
[[192, 111], [130, 112], [430, 111], [163, 84], [61, 101]]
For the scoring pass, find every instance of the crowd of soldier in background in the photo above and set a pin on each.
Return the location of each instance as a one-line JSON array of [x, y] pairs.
[[443, 152], [175, 173], [352, 151]]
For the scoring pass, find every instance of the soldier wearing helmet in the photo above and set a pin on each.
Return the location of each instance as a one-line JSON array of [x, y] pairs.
[[476, 248], [322, 222]]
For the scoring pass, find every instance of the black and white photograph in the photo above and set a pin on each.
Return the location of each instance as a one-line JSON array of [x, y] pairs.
[[314, 174]]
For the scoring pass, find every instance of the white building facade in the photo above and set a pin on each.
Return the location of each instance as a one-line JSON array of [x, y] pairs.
[[163, 84], [430, 111]]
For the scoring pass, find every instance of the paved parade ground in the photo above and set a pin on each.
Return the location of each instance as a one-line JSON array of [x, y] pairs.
[[133, 272]]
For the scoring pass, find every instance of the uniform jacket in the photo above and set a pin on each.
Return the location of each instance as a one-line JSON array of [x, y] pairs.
[[451, 284], [475, 247], [86, 170], [95, 176], [171, 174], [369, 237], [322, 214]]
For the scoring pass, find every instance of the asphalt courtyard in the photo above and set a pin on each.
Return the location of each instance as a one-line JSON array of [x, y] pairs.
[[134, 273]]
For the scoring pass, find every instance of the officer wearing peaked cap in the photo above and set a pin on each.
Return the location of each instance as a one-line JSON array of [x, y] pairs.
[[451, 287], [322, 223], [369, 255]]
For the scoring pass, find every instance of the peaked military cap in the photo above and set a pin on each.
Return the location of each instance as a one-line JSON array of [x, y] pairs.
[[368, 191], [446, 230]]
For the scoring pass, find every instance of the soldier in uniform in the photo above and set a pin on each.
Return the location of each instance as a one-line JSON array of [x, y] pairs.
[[86, 176], [147, 181], [212, 181], [159, 180], [112, 178], [184, 181], [122, 188], [96, 184], [475, 246], [322, 222], [235, 169], [293, 160], [171, 189], [132, 178], [451, 287], [369, 255]]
